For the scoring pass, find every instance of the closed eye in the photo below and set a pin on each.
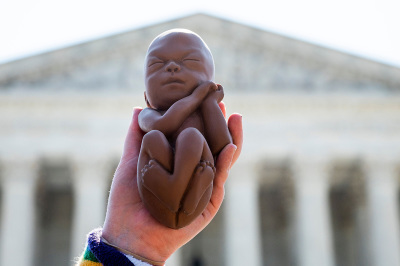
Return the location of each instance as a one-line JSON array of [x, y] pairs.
[[155, 63]]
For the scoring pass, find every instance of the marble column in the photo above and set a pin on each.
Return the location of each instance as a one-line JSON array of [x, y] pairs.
[[314, 243], [382, 188], [18, 212], [90, 181], [242, 222]]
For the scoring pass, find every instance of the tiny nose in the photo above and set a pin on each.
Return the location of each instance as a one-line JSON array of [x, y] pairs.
[[172, 67]]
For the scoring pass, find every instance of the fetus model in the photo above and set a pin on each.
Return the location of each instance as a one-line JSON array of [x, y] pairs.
[[184, 125]]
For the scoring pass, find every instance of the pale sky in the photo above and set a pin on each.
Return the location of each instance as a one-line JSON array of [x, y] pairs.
[[369, 28]]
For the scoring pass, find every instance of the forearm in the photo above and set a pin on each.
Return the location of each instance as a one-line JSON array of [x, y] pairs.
[[216, 129], [170, 121], [173, 118], [181, 109]]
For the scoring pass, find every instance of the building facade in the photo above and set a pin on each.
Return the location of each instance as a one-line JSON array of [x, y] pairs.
[[317, 182]]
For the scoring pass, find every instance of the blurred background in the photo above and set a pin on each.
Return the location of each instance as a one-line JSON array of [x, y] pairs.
[[317, 83]]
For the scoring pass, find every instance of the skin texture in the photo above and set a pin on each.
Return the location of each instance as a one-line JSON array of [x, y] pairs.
[[185, 128], [128, 223]]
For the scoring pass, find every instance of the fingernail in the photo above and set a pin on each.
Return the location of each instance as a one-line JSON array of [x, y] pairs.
[[233, 155], [234, 146]]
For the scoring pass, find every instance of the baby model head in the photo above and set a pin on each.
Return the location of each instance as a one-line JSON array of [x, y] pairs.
[[177, 62]]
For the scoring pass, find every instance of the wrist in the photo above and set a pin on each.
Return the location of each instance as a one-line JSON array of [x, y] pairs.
[[133, 256], [137, 245]]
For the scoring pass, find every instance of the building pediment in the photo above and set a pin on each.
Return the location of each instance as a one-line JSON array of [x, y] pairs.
[[247, 59]]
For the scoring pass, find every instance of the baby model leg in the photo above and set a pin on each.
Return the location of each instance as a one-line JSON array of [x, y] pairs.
[[168, 181], [155, 146], [201, 169], [154, 166], [194, 159], [164, 181]]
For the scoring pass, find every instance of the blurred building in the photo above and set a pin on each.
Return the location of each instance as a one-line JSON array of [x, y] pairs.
[[317, 182]]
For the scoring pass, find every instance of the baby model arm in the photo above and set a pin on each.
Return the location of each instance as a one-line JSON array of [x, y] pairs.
[[216, 130], [172, 119]]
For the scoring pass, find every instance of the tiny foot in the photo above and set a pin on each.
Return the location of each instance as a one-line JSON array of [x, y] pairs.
[[156, 179], [200, 168], [201, 180], [147, 167]]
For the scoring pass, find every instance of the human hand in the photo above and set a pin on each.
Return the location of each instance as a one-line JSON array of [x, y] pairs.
[[129, 225]]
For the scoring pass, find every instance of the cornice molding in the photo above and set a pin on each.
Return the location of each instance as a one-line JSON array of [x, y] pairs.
[[322, 66]]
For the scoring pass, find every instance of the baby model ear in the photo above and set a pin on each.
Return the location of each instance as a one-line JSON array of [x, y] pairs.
[[147, 101]]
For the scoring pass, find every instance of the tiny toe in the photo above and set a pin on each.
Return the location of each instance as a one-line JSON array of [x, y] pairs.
[[199, 169]]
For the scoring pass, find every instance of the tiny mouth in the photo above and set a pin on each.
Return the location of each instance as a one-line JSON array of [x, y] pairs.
[[174, 80]]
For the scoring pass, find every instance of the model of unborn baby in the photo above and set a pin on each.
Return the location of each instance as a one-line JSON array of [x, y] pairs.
[[185, 127]]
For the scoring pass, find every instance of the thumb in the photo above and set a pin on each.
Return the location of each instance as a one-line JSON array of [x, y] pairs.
[[134, 137]]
